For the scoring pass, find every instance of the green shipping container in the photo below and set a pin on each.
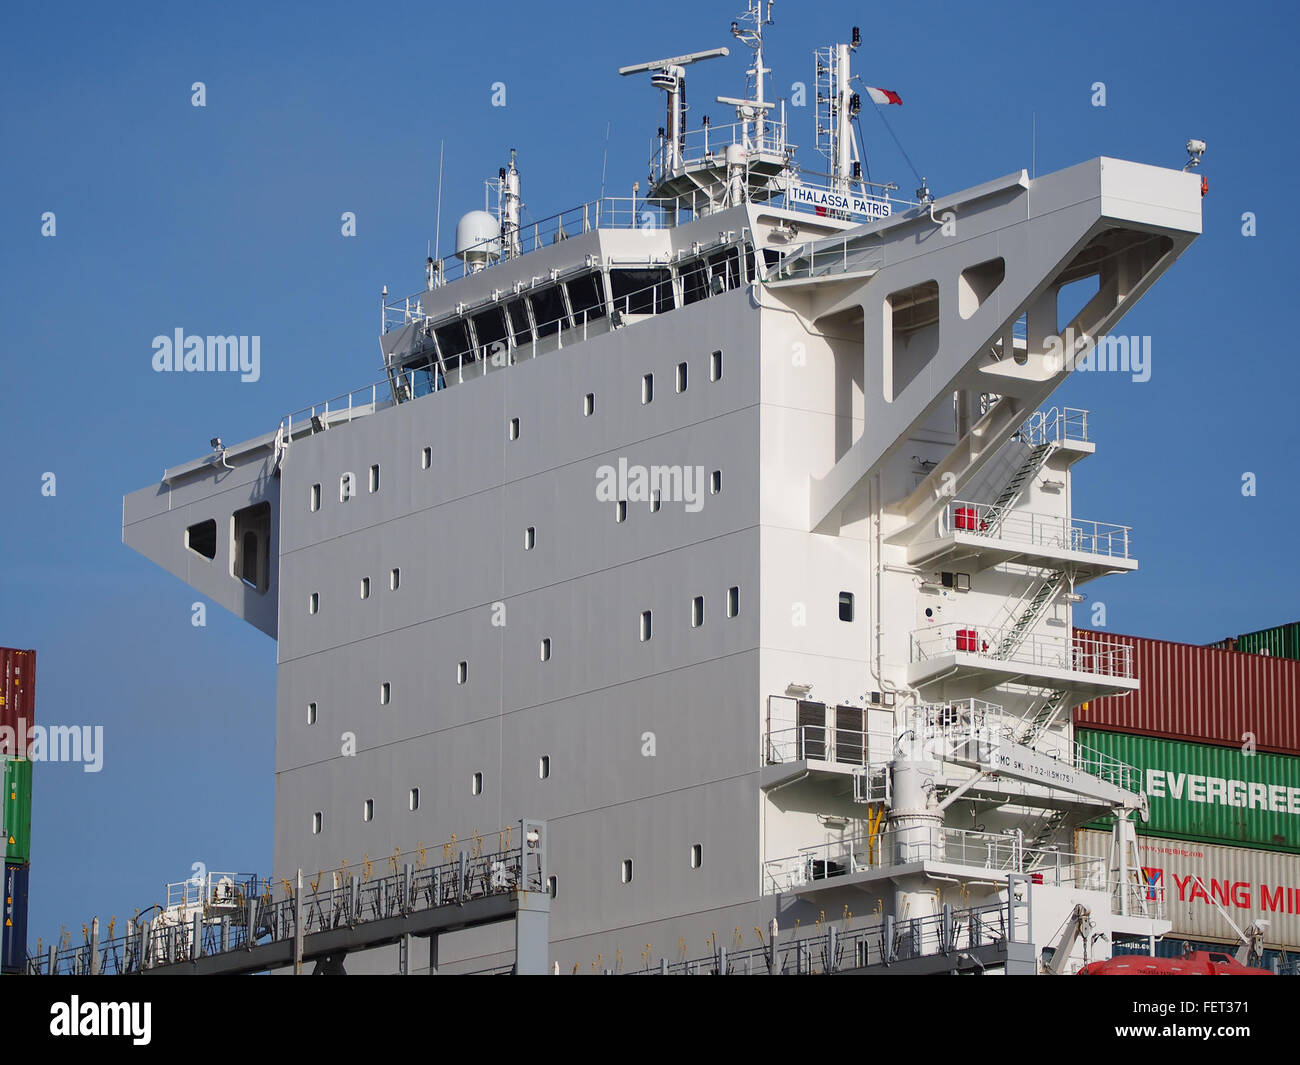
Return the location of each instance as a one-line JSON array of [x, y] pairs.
[[1280, 642], [18, 811], [1210, 794]]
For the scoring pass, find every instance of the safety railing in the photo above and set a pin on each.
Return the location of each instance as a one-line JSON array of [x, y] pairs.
[[1056, 425], [849, 253], [1107, 767], [1035, 529], [825, 861], [477, 360], [848, 747], [1082, 654], [340, 898], [607, 212]]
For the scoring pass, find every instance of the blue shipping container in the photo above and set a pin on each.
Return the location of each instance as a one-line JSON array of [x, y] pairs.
[[15, 924]]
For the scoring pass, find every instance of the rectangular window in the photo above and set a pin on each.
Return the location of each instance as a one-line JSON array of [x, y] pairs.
[[733, 602], [681, 377], [627, 870], [620, 511], [552, 886], [313, 602], [316, 821], [250, 558], [476, 784], [697, 855], [545, 649], [514, 428], [394, 579], [715, 366], [715, 482], [589, 404], [374, 478], [646, 630], [311, 713], [426, 458], [201, 538], [365, 587], [413, 799], [846, 606], [384, 692], [347, 487], [368, 810], [315, 497], [530, 538], [655, 501], [544, 767], [647, 388], [462, 672], [697, 611]]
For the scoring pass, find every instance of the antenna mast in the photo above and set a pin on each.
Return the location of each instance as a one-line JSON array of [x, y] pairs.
[[748, 29]]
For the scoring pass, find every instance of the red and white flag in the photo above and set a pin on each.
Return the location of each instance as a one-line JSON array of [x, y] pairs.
[[883, 96]]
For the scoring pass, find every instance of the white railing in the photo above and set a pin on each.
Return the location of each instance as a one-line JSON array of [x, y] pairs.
[[825, 861], [1063, 869], [851, 253], [1082, 654], [1055, 426], [1107, 767], [849, 747], [1039, 530], [708, 145]]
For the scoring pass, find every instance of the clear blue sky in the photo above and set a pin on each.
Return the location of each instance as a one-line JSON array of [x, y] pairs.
[[226, 220]]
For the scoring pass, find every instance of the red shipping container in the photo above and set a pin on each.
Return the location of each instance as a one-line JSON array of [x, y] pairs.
[[1202, 694], [968, 640], [17, 693]]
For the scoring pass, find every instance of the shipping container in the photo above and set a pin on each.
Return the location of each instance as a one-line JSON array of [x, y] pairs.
[[17, 697], [1211, 794], [18, 810], [1228, 643], [1250, 884], [17, 882], [1203, 694], [1283, 641]]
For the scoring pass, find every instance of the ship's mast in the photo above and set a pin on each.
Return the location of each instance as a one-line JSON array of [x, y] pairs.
[[748, 29]]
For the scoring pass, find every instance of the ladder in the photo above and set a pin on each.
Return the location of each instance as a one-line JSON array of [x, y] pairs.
[[1043, 719], [1043, 596], [1047, 832], [1033, 462]]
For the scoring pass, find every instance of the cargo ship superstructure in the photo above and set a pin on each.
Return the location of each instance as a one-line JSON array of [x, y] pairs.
[[726, 532]]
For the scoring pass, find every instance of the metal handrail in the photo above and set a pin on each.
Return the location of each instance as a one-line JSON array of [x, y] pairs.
[[1032, 527], [1080, 654]]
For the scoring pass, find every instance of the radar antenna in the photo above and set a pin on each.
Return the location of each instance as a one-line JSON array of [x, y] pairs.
[[670, 76]]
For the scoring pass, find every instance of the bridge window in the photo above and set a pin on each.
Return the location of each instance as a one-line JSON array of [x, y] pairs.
[[548, 310], [642, 291], [521, 332], [490, 330], [724, 271], [846, 606], [453, 340], [250, 560], [695, 282], [202, 538], [587, 298]]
